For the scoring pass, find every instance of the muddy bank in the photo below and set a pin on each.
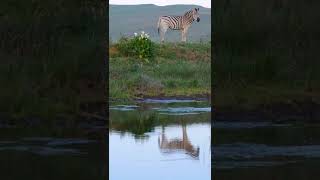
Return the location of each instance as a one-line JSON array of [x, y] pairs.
[[297, 111]]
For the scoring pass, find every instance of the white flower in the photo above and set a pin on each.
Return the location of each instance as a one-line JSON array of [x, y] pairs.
[[147, 36], [142, 32], [135, 34]]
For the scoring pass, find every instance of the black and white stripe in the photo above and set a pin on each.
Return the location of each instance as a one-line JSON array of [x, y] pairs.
[[177, 23]]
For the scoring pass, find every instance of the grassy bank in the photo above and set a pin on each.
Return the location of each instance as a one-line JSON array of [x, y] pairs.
[[177, 70], [52, 58], [265, 53]]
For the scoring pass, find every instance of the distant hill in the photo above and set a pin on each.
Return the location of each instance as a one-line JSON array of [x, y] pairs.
[[127, 19]]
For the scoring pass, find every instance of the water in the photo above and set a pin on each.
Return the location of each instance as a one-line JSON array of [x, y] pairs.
[[26, 154], [160, 140], [263, 150]]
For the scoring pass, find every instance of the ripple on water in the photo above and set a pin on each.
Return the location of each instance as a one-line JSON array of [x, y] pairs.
[[165, 110], [45, 146], [246, 164], [124, 107], [183, 110], [179, 114], [246, 125], [168, 101], [247, 155], [45, 151]]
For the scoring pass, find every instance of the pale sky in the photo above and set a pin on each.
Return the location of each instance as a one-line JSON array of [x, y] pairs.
[[204, 3]]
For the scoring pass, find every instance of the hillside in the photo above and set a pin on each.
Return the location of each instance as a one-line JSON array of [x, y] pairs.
[[127, 19]]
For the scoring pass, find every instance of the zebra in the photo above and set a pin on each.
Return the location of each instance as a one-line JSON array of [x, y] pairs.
[[181, 23], [184, 144]]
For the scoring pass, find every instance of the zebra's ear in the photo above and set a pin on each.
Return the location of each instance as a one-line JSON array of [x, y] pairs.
[[198, 9], [195, 9]]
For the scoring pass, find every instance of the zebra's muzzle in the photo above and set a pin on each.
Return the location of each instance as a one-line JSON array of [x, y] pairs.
[[198, 19]]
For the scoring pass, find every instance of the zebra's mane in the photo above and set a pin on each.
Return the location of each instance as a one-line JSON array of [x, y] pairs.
[[188, 13]]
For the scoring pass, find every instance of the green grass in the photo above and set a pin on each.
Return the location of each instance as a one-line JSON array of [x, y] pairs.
[[50, 57], [265, 53], [178, 70], [257, 78]]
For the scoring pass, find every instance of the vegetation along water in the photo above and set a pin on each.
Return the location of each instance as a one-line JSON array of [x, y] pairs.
[[266, 59], [167, 70]]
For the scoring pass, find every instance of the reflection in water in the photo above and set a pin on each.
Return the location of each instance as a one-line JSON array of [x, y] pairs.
[[152, 145], [184, 144]]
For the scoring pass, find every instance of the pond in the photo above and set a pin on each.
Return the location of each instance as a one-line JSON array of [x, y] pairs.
[[160, 140], [29, 154], [264, 151]]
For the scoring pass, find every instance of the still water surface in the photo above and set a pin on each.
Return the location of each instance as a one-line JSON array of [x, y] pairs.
[[37, 158], [160, 140], [264, 151]]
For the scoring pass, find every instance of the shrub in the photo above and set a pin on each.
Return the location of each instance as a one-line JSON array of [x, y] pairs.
[[140, 46]]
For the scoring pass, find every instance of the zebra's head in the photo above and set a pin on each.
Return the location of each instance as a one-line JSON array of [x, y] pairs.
[[195, 14]]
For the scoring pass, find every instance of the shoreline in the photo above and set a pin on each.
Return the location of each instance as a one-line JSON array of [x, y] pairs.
[[92, 118], [199, 97]]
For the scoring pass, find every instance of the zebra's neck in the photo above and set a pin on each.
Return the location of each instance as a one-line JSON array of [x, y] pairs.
[[188, 18]]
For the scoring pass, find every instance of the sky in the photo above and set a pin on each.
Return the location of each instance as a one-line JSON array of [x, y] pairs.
[[204, 3]]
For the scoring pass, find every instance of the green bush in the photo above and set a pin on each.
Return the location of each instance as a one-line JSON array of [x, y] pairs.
[[140, 46]]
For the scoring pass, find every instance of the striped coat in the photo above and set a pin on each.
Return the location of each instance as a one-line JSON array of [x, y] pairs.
[[181, 23]]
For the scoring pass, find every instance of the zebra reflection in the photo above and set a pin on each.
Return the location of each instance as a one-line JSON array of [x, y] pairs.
[[184, 144]]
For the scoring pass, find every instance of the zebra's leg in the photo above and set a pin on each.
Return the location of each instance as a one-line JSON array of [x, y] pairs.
[[160, 33], [163, 32], [162, 36], [183, 35]]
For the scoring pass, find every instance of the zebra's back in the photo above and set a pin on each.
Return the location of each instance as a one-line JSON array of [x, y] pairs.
[[173, 22]]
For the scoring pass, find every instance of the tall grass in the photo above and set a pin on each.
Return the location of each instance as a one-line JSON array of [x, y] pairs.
[[263, 44], [51, 51]]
